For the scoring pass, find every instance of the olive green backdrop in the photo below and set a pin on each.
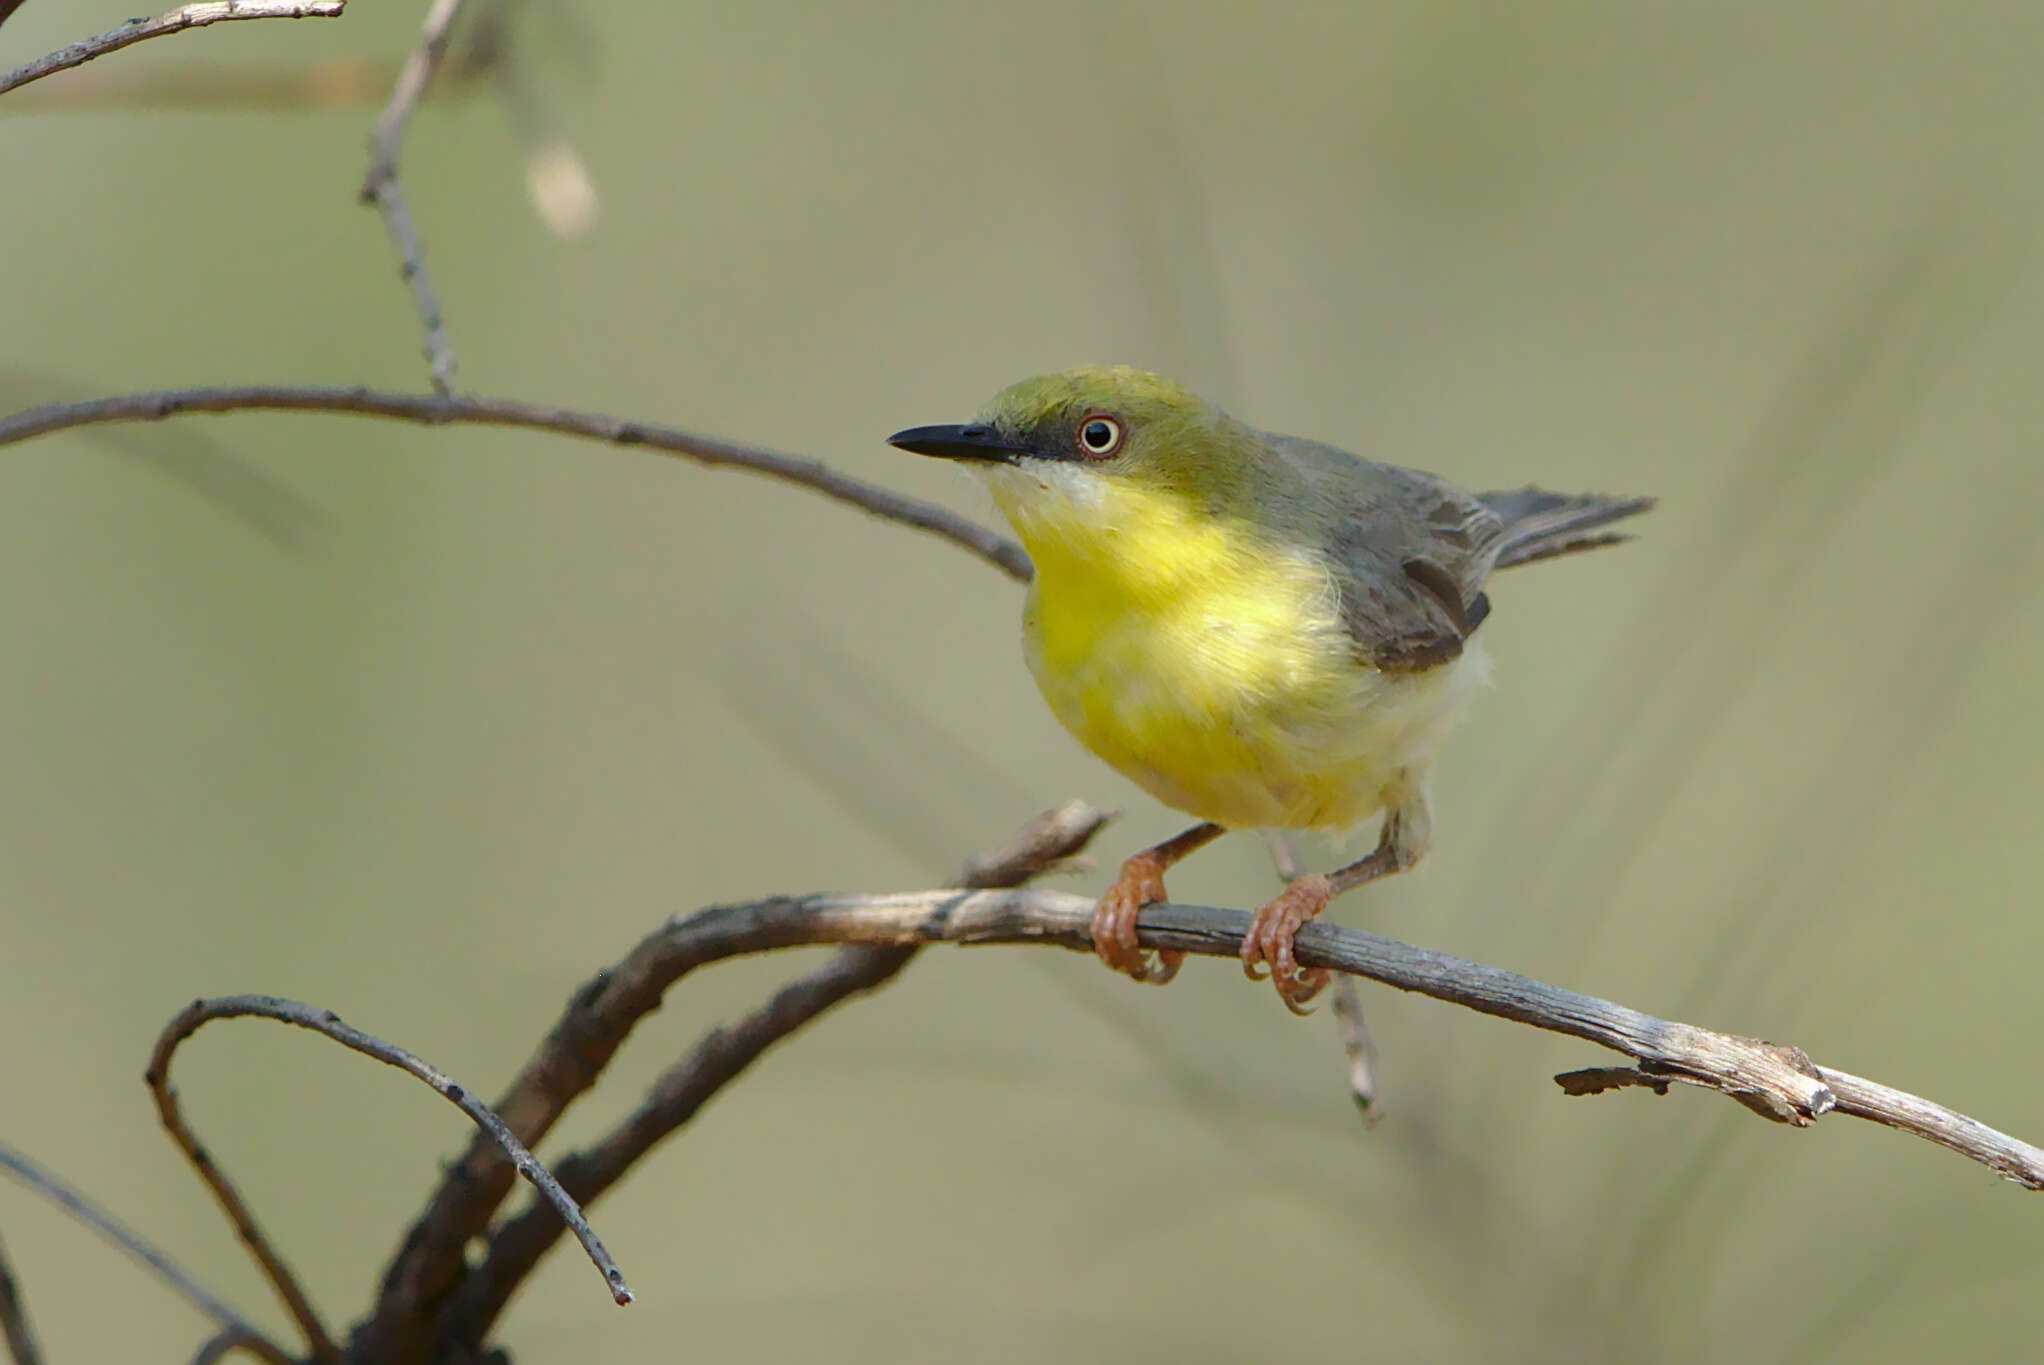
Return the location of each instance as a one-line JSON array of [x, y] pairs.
[[435, 745]]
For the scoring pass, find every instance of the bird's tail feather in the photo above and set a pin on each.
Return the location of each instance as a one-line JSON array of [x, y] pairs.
[[1541, 525]]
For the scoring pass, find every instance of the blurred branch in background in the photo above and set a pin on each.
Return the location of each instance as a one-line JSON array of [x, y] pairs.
[[242, 489], [203, 85], [555, 178], [53, 1188], [176, 21]]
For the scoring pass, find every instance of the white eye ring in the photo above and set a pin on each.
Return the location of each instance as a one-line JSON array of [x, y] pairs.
[[1100, 435]]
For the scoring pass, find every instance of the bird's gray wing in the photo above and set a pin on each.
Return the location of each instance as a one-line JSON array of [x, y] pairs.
[[1409, 552]]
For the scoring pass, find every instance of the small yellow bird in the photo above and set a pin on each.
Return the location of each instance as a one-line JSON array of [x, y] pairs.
[[1261, 631]]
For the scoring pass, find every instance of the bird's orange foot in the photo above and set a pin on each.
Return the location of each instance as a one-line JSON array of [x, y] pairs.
[[1269, 940], [1141, 883]]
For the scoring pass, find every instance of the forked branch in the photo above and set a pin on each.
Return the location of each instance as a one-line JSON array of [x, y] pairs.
[[324, 1022]]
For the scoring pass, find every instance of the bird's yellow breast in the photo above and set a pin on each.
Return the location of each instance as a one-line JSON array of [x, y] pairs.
[[1211, 665]]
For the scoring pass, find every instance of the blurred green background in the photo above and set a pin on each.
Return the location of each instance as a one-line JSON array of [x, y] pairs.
[[493, 704]]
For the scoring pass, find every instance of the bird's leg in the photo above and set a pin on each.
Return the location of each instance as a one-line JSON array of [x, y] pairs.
[[1270, 935], [1141, 883]]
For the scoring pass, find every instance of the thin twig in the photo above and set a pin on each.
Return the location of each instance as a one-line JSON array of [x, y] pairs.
[[427, 1293], [14, 1329], [382, 187], [329, 1025], [412, 81], [1359, 1047], [681, 1091], [58, 1192], [476, 410], [388, 195], [176, 21]]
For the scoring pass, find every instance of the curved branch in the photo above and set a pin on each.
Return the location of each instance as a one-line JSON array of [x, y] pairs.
[[476, 410], [177, 21], [324, 1022]]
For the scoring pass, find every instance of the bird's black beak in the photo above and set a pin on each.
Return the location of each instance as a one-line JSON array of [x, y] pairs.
[[976, 442]]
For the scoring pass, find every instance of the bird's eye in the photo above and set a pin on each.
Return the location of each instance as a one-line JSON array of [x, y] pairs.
[[1100, 436]]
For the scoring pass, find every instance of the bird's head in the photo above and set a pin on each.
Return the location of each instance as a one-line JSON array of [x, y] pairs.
[[1079, 453]]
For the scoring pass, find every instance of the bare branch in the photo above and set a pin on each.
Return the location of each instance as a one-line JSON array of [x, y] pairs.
[[475, 410], [429, 1270], [1774, 1080], [14, 1330], [54, 1188], [387, 193], [329, 1025], [176, 21], [382, 187]]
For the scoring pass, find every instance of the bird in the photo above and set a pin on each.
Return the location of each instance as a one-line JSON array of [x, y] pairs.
[[1261, 631]]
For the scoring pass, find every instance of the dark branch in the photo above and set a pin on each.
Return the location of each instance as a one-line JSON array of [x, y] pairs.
[[516, 1247], [53, 1188], [474, 410], [429, 1270], [177, 21]]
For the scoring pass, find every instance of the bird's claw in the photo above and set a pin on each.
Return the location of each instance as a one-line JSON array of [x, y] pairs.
[[1269, 941], [1141, 883]]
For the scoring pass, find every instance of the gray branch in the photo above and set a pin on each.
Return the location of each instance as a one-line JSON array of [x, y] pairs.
[[328, 1024], [476, 410], [382, 187]]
